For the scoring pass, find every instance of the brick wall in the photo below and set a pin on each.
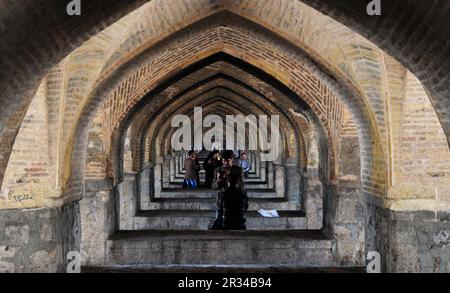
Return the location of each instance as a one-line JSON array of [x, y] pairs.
[[424, 156], [351, 59], [28, 176], [324, 99]]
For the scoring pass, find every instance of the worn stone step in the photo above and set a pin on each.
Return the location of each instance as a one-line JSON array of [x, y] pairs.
[[274, 248], [251, 179], [199, 221], [254, 188], [200, 204], [222, 269], [208, 193], [255, 184]]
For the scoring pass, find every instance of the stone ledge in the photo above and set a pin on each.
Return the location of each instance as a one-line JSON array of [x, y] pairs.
[[247, 269], [220, 248]]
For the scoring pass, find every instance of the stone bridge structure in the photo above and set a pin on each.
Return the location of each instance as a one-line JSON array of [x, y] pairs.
[[87, 165]]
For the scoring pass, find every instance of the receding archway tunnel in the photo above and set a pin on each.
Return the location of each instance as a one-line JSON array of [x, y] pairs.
[[149, 197], [90, 166]]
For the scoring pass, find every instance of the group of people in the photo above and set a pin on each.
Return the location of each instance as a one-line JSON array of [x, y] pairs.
[[224, 175], [212, 165]]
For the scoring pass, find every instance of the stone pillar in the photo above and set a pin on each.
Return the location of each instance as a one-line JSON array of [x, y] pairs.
[[145, 185], [157, 179], [280, 180], [38, 240], [314, 202], [293, 179], [98, 221], [165, 165], [127, 201], [416, 242], [349, 225]]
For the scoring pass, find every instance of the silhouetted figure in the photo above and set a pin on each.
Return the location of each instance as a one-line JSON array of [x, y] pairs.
[[211, 162], [232, 206], [221, 180]]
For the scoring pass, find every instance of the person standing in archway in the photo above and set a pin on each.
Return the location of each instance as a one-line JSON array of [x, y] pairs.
[[221, 173], [244, 164], [210, 164], [191, 168], [232, 205]]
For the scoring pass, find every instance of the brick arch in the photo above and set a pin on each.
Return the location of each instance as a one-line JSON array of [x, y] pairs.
[[300, 26], [246, 13], [267, 15], [275, 96], [161, 119], [30, 27], [146, 103], [218, 107], [286, 124], [163, 129], [416, 36], [352, 15], [286, 34], [154, 119], [219, 84], [224, 39], [221, 109], [239, 83], [205, 100]]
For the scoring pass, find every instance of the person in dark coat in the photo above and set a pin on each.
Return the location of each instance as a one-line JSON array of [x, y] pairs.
[[232, 206], [221, 173], [209, 165]]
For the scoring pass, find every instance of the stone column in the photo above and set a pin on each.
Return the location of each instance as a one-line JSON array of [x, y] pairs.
[[127, 202], [146, 185], [293, 179], [313, 202], [98, 221], [38, 240]]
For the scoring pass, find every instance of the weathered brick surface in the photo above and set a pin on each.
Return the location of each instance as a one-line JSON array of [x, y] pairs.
[[384, 130], [416, 36], [424, 159], [331, 52], [126, 88], [29, 173], [271, 103], [37, 35]]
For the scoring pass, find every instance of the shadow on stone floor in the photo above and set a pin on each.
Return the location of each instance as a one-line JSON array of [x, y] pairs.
[[223, 269]]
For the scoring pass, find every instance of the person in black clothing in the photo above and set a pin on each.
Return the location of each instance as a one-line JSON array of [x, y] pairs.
[[232, 205], [209, 165], [221, 180]]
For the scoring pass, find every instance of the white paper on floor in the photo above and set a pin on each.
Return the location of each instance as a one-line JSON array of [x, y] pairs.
[[269, 213]]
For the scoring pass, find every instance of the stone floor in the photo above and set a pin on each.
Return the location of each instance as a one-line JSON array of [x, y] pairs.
[[221, 269]]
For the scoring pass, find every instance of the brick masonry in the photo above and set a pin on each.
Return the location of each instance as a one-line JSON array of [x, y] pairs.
[[383, 111]]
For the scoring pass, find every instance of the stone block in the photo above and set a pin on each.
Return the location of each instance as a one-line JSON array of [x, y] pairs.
[[18, 235], [45, 262]]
